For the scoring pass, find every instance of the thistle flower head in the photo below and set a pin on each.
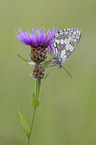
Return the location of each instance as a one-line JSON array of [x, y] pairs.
[[38, 71], [38, 38]]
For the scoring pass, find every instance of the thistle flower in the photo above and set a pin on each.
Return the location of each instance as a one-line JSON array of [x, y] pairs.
[[38, 38], [40, 43]]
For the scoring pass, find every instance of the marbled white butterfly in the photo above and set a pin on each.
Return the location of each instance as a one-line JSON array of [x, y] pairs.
[[64, 44]]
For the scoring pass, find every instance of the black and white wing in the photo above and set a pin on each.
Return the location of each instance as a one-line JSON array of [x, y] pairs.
[[65, 42]]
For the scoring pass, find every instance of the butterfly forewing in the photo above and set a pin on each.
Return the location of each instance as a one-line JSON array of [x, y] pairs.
[[65, 42]]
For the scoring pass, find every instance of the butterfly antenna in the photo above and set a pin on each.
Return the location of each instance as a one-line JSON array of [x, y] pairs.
[[67, 71]]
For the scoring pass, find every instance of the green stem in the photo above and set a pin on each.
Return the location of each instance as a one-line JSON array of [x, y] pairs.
[[38, 82], [28, 141], [31, 125]]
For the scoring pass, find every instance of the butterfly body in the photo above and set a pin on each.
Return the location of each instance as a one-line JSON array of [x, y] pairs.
[[65, 41]]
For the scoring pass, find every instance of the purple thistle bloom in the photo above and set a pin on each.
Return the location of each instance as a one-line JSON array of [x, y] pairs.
[[38, 38]]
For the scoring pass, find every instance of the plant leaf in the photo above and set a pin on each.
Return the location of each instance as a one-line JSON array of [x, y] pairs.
[[33, 99], [35, 102], [26, 60], [23, 122]]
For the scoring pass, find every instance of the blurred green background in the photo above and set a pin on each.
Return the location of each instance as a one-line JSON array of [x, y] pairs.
[[67, 114]]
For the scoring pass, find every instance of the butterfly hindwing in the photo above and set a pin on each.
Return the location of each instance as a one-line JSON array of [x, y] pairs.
[[65, 41]]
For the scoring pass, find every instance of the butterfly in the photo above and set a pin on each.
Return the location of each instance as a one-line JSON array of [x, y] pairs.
[[65, 41]]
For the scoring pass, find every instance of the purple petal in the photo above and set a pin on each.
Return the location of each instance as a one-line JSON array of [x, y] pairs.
[[37, 38]]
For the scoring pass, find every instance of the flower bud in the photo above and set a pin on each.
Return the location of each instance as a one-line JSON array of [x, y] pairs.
[[38, 72]]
